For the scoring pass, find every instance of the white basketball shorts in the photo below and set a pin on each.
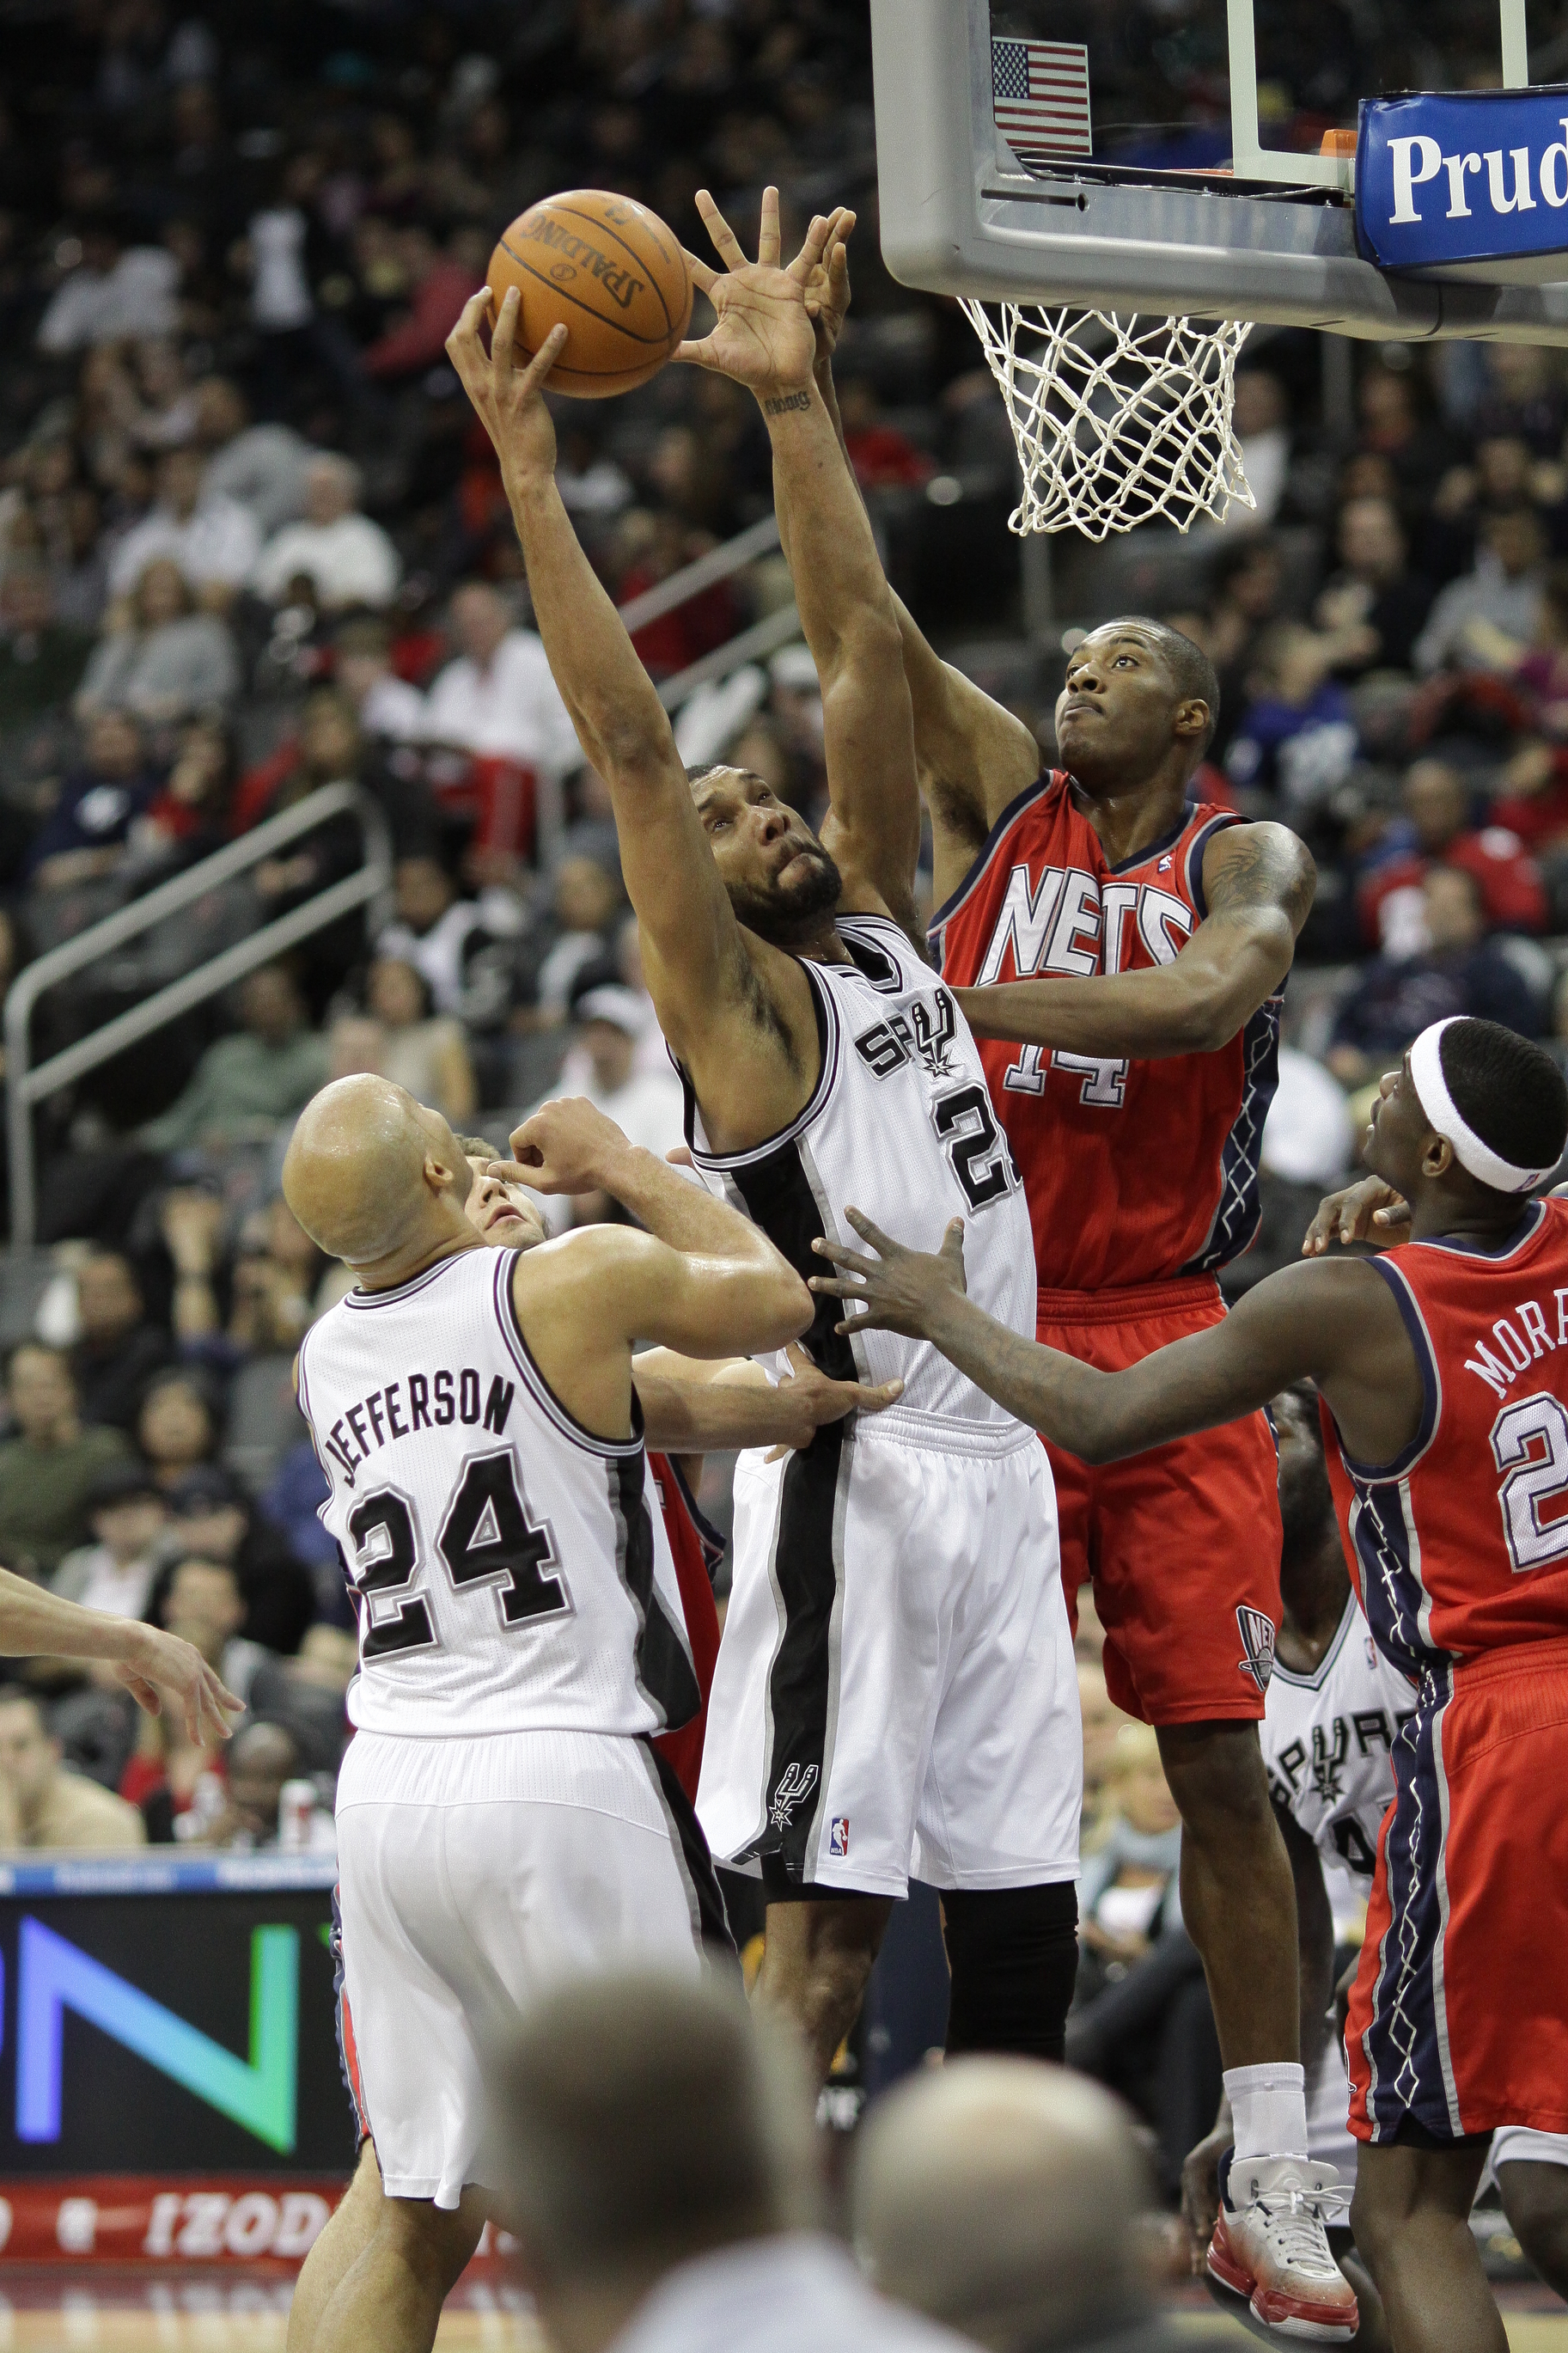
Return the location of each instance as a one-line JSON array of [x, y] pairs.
[[896, 1695], [474, 1874]]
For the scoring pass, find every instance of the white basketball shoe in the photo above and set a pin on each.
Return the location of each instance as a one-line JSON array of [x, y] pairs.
[[1270, 2244]]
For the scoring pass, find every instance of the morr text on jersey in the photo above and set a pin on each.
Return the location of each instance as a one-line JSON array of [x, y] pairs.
[[1521, 1338], [433, 1399]]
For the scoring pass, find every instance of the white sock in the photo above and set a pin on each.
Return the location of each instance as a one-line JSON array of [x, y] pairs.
[[1268, 2108]]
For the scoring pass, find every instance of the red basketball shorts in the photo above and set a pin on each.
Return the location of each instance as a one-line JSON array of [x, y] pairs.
[[1183, 1543], [1459, 2016]]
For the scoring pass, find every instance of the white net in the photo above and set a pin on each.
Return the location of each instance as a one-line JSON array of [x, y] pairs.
[[1118, 421]]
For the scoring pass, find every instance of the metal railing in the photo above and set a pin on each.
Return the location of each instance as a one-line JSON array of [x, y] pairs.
[[26, 1087], [763, 636]]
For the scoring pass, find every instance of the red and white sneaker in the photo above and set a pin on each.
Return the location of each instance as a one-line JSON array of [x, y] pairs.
[[1270, 2244]]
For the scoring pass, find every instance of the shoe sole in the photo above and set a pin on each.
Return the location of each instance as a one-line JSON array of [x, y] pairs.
[[1280, 2314]]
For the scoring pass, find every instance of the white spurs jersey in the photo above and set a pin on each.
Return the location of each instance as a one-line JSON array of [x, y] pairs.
[[900, 1125], [510, 1571], [1328, 1742]]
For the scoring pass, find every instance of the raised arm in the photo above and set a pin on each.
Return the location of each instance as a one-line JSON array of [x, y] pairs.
[[700, 971], [973, 757], [1336, 1322], [765, 339], [1258, 881]]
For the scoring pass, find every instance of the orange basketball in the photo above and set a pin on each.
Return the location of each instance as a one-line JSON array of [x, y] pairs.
[[608, 269]]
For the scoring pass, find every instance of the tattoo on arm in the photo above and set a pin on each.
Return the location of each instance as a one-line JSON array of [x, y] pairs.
[[1262, 866], [785, 401]]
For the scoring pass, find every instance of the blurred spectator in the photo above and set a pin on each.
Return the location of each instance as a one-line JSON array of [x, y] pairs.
[[438, 283], [176, 1428], [1261, 421], [261, 1757], [213, 539], [41, 657], [585, 901], [120, 1349], [44, 1806], [84, 836], [1247, 580], [1005, 2199], [647, 1106], [165, 660], [1308, 1138], [346, 557], [115, 1572], [178, 1786], [1437, 830], [386, 704], [1296, 736], [202, 1602], [188, 816], [1458, 971], [455, 943], [115, 292], [276, 1271], [261, 468], [657, 2166], [48, 1469], [498, 696], [1499, 600], [415, 1046], [246, 1086], [214, 1518], [1373, 607], [883, 457]]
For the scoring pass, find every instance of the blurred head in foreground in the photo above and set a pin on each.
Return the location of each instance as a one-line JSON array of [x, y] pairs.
[[1001, 2198]]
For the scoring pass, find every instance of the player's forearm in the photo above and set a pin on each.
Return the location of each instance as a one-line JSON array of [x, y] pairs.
[[1191, 1007], [846, 606], [1054, 1393], [33, 1621], [618, 718], [691, 1416]]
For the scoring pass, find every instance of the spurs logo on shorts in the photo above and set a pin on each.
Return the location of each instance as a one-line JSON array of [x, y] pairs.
[[796, 1783], [1258, 1641]]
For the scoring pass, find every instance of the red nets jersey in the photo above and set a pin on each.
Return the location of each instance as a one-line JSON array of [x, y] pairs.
[[697, 1550], [1134, 1171], [1460, 1544]]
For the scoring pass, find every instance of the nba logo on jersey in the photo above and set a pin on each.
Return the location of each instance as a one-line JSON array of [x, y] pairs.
[[838, 1835], [1258, 1641]]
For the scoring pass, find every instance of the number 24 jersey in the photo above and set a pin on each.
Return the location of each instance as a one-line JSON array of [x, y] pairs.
[[510, 1569], [1460, 1544]]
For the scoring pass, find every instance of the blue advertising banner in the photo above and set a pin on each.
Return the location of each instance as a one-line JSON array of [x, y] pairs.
[[1473, 184]]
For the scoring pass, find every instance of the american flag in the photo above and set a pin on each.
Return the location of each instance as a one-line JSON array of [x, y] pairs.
[[1041, 94]]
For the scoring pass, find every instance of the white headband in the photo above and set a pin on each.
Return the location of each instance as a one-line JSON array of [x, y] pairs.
[[1486, 1166]]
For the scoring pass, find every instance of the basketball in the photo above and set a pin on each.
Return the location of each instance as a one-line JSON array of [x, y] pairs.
[[608, 269]]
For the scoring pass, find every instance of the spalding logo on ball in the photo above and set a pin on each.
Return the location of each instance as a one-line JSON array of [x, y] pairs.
[[610, 271]]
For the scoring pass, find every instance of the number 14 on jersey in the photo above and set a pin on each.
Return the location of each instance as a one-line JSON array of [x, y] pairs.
[[1104, 1082]]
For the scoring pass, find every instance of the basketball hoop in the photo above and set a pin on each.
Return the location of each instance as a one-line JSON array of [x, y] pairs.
[[1118, 421]]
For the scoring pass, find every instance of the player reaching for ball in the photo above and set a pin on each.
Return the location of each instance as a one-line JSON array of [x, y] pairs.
[[896, 1676], [1443, 1368], [1129, 944]]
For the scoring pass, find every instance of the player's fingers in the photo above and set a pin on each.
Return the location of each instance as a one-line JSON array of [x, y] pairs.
[[726, 244], [832, 1287], [768, 233], [704, 277], [144, 1694], [798, 1359], [1397, 1213], [875, 1400], [511, 1172], [464, 340], [952, 1239], [809, 258], [544, 359], [840, 1256], [503, 334], [777, 1453], [698, 354], [883, 1244], [680, 1157]]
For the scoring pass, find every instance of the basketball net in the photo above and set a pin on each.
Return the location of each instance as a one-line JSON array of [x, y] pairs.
[[1118, 421]]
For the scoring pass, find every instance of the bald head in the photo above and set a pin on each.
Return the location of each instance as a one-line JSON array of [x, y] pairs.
[[999, 2196], [371, 1174]]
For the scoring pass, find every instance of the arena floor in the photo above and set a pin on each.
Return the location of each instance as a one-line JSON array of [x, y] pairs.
[[56, 2310]]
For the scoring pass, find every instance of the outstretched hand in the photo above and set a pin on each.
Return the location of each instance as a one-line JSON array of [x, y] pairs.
[[807, 1398], [565, 1147], [900, 1290], [1368, 1212], [509, 399], [827, 285], [764, 336], [164, 1666]]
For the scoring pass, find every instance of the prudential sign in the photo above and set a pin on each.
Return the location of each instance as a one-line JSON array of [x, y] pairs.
[[1470, 184]]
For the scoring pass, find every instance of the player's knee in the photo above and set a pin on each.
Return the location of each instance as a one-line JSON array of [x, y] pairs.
[[1013, 1953], [1216, 1776], [432, 2241]]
